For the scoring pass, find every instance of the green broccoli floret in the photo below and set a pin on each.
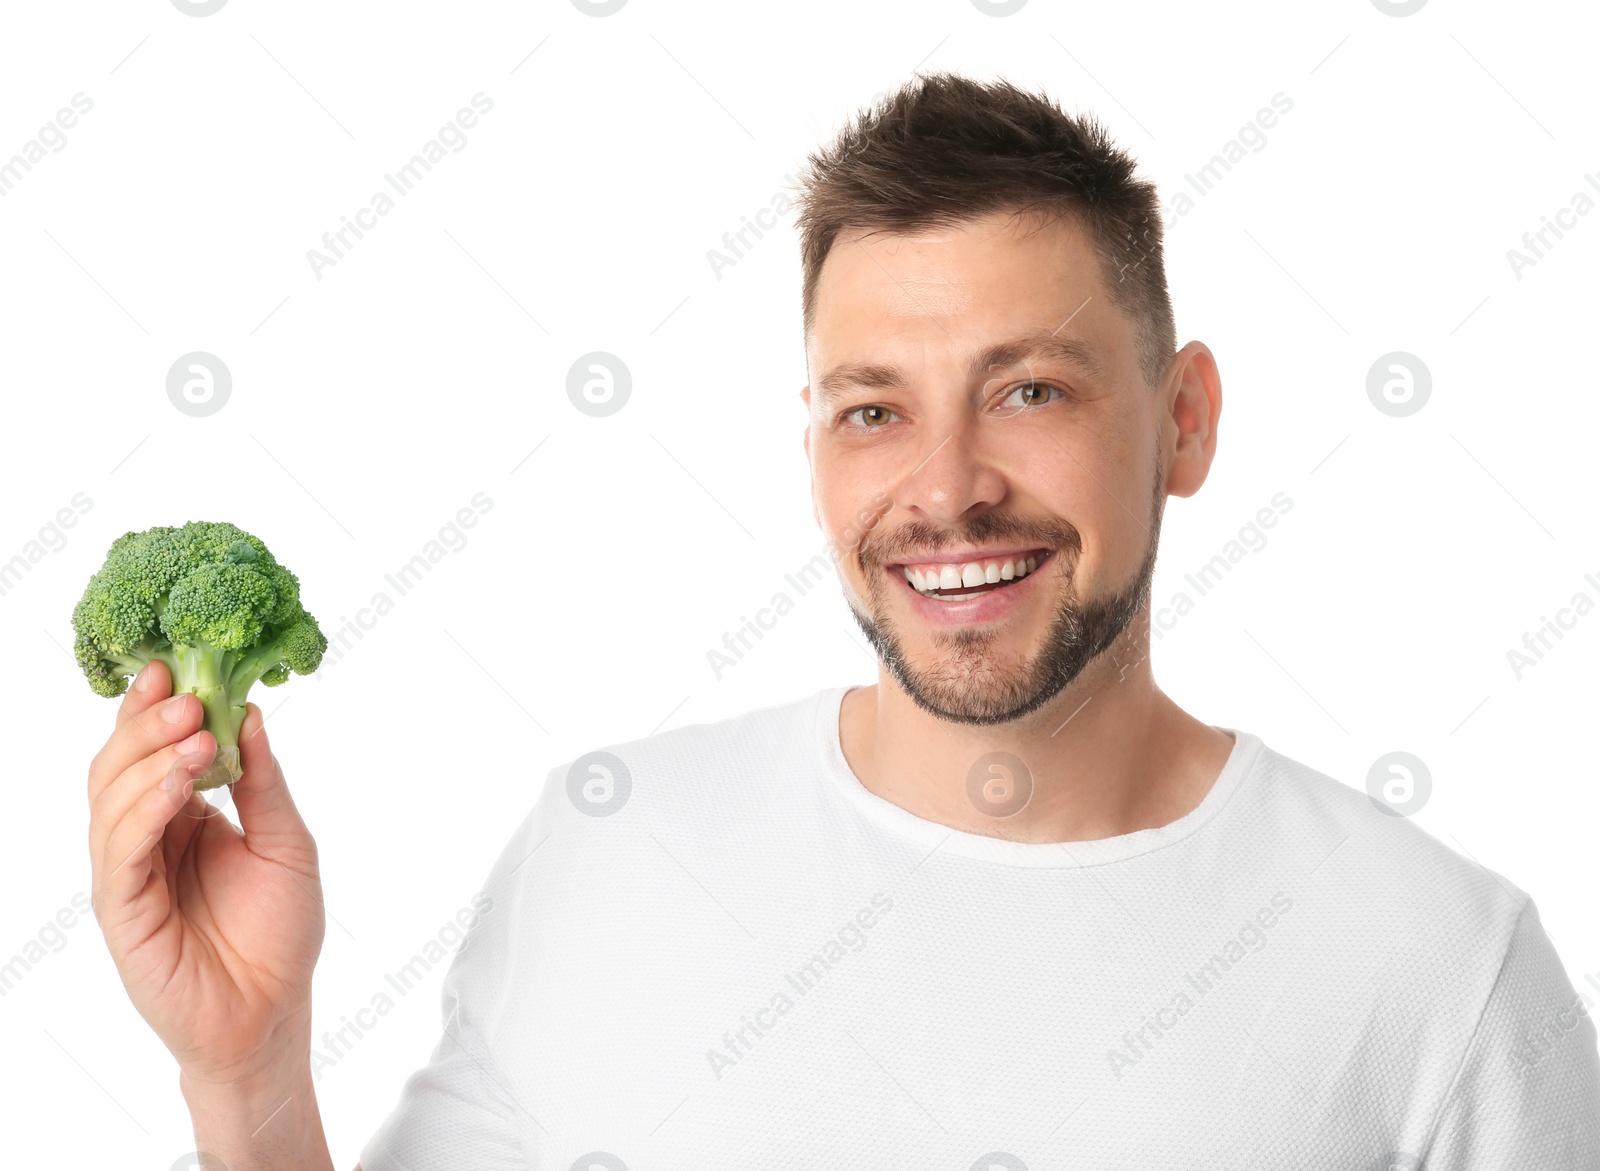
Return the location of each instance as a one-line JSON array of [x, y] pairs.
[[212, 603]]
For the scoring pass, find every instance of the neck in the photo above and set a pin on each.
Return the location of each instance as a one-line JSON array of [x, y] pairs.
[[1109, 755]]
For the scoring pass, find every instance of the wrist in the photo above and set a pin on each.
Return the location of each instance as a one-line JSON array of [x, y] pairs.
[[285, 1075], [268, 1119], [276, 1061]]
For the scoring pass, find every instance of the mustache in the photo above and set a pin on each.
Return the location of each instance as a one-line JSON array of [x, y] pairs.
[[917, 538]]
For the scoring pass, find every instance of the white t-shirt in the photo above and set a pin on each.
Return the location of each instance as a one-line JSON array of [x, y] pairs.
[[716, 949]]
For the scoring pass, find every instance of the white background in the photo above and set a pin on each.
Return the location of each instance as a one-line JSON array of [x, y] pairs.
[[369, 405]]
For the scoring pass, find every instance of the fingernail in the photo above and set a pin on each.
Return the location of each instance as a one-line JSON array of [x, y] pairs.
[[141, 681], [192, 744], [172, 710]]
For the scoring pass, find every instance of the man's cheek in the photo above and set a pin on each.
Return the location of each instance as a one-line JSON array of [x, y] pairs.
[[865, 520], [875, 512]]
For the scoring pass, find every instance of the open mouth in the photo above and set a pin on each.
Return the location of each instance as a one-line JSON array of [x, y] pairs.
[[955, 581]]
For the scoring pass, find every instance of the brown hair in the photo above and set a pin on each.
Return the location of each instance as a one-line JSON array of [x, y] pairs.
[[943, 149]]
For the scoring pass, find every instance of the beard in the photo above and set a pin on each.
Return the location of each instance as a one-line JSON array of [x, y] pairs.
[[969, 680]]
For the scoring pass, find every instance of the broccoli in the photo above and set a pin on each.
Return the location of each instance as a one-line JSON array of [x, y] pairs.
[[210, 602]]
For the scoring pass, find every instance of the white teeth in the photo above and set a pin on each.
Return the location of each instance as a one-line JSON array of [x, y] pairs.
[[967, 576]]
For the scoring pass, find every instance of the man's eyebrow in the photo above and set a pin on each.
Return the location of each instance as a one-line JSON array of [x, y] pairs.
[[1031, 347], [1041, 347]]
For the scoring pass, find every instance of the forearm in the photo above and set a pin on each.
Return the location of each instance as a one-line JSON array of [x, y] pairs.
[[268, 1124]]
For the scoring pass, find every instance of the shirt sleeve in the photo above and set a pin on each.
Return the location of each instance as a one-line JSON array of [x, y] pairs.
[[1527, 1095], [459, 1109]]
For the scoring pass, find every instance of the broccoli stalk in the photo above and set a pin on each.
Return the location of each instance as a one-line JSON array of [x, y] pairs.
[[223, 678], [209, 601], [206, 672]]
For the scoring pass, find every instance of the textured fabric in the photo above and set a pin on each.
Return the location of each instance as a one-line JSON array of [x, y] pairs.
[[716, 949]]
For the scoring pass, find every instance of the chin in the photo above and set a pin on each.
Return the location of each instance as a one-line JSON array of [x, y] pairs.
[[967, 677]]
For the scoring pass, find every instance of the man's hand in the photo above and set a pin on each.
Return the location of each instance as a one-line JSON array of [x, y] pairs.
[[215, 932]]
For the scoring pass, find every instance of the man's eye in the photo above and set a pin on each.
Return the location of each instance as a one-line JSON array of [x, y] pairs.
[[870, 416], [1031, 394]]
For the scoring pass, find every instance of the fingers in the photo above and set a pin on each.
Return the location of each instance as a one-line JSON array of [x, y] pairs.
[[116, 800], [150, 686], [260, 795], [149, 725], [123, 867]]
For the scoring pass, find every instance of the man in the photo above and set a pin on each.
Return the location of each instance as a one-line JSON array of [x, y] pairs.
[[1009, 908]]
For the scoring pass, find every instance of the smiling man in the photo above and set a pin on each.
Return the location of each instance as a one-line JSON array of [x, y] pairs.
[[978, 375], [1009, 907]]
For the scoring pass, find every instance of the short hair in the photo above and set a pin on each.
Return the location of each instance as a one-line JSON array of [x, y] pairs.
[[943, 149]]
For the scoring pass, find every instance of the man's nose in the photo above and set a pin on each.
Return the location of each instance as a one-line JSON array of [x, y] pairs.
[[955, 479]]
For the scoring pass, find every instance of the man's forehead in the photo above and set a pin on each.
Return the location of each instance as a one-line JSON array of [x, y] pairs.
[[885, 282], [928, 297], [949, 270]]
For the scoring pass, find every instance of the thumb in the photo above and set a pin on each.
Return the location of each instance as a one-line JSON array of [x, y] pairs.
[[260, 794]]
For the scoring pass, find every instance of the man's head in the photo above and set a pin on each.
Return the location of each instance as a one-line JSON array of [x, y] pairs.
[[994, 380]]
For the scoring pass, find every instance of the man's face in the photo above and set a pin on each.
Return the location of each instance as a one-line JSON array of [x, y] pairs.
[[1020, 487]]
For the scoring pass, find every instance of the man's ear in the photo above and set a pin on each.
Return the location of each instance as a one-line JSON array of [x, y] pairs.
[[1193, 404], [805, 397]]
